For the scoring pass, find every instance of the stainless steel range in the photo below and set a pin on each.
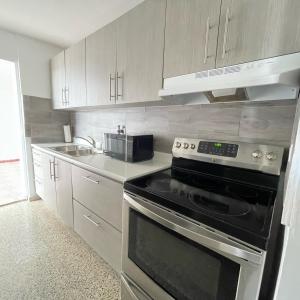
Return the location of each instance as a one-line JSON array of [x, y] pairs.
[[207, 228]]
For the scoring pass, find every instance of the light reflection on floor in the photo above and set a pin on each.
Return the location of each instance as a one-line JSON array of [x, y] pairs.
[[11, 183]]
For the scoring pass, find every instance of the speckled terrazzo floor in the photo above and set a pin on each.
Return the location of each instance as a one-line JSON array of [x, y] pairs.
[[42, 259]]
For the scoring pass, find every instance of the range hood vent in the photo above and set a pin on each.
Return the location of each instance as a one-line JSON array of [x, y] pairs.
[[267, 79]]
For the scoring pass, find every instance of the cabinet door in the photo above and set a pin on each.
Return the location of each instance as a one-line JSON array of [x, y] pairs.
[[255, 29], [58, 80], [48, 182], [38, 172], [101, 236], [75, 75], [191, 36], [140, 43], [101, 66], [63, 183], [101, 195]]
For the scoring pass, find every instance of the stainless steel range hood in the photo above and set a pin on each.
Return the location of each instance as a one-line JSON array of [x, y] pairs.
[[268, 79]]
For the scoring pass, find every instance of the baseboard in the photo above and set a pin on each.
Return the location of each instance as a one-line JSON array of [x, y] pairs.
[[34, 198]]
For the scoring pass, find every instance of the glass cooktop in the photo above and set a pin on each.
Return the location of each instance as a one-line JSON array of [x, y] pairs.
[[227, 198]]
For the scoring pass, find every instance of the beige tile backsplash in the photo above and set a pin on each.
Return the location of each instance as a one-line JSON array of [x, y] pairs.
[[42, 123], [269, 122]]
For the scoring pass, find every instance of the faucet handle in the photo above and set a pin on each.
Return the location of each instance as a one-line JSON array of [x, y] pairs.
[[93, 141], [123, 129]]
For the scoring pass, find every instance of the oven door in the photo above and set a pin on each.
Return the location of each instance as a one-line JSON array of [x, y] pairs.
[[168, 256]]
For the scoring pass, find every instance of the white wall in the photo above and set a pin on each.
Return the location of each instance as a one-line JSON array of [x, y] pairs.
[[33, 57], [10, 134], [288, 283]]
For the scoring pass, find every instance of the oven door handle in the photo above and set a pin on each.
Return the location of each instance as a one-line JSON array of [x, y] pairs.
[[173, 222], [135, 292]]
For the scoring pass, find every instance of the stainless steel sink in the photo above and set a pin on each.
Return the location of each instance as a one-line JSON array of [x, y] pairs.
[[83, 152], [75, 150]]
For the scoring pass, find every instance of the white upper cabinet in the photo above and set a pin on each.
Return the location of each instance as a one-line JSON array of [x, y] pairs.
[[256, 29], [101, 66], [190, 36], [140, 46], [75, 75], [58, 75]]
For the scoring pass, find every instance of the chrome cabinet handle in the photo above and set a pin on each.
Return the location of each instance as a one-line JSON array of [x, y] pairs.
[[66, 98], [62, 96], [92, 221], [54, 171], [208, 27], [227, 19], [112, 92], [88, 178], [119, 95], [50, 167]]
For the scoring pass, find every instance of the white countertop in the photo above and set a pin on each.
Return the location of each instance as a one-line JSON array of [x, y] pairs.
[[109, 167]]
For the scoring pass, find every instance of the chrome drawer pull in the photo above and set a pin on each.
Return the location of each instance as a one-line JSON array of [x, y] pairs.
[[92, 221], [88, 178]]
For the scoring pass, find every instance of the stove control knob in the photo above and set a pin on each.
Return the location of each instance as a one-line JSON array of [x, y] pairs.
[[193, 146], [185, 145], [178, 144], [271, 156], [257, 154]]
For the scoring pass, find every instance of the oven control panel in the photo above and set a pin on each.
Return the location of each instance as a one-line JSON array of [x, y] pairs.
[[218, 148], [266, 158]]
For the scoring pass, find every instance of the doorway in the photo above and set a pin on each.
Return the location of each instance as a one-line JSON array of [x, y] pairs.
[[12, 171]]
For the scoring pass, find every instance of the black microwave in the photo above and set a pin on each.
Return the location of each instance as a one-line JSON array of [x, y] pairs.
[[132, 148]]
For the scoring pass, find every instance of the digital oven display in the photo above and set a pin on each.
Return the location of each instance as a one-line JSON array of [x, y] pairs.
[[220, 149]]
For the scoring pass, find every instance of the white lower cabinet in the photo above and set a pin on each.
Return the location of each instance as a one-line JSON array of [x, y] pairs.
[[48, 181], [99, 194], [100, 235], [87, 202], [63, 181], [53, 183]]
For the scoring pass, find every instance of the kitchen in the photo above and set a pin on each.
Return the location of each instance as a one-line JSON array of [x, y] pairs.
[[161, 152]]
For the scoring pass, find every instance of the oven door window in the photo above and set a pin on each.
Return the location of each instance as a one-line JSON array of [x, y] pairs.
[[183, 268]]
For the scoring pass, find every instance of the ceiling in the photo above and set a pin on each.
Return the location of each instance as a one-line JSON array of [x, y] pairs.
[[60, 22]]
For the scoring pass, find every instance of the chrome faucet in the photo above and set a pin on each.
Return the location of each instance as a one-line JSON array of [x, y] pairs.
[[92, 142]]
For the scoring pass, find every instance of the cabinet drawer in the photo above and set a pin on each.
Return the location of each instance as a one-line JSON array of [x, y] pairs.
[[99, 194], [100, 235]]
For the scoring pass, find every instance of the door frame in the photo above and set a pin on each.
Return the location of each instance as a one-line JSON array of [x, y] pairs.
[[25, 156]]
